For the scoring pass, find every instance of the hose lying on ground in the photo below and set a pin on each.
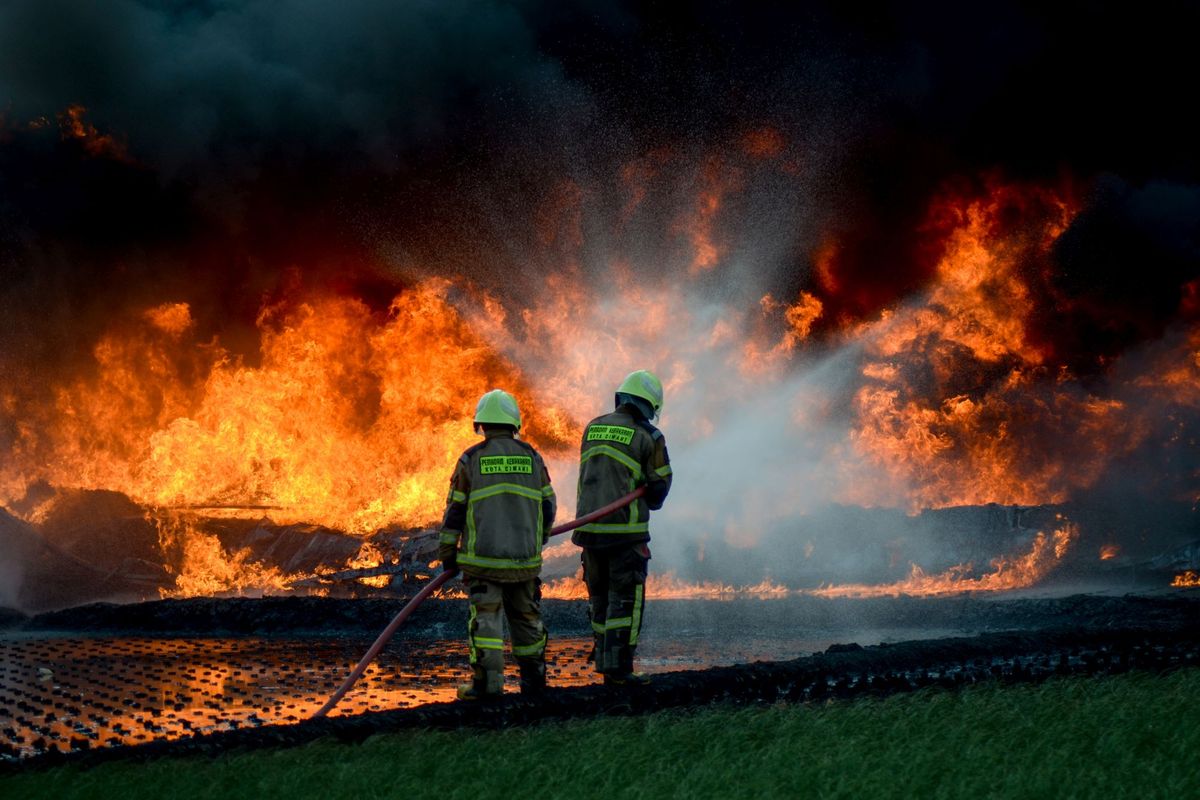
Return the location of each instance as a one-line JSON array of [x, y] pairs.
[[433, 586]]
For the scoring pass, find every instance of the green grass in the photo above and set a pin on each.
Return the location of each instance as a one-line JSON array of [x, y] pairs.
[[1130, 736]]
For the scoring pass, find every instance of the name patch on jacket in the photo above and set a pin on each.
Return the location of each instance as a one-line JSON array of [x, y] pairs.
[[610, 433], [495, 465]]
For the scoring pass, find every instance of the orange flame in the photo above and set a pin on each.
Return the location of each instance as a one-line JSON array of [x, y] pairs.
[[206, 568], [666, 586], [1109, 552], [1008, 573], [1187, 579], [974, 438], [349, 421], [73, 124]]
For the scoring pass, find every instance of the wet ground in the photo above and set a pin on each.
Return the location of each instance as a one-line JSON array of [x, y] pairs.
[[64, 693], [67, 685]]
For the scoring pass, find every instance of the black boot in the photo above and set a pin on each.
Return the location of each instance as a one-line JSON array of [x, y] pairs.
[[533, 677]]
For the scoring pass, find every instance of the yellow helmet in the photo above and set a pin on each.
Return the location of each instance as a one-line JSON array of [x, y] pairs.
[[645, 385], [498, 407]]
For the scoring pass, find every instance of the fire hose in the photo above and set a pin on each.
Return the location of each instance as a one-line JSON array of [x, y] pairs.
[[435, 584]]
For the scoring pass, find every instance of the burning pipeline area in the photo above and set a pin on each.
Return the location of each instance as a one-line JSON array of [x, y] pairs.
[[923, 290]]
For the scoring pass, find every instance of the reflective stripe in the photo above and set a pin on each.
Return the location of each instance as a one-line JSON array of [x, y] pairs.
[[530, 649], [472, 560], [616, 455], [449, 537], [598, 627], [618, 623], [486, 643], [638, 601], [456, 497], [547, 491], [663, 471], [471, 634], [598, 527], [505, 488]]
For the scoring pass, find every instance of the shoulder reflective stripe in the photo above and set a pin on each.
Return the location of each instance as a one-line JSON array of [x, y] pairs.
[[472, 560], [598, 527], [496, 465], [639, 593], [609, 433], [530, 649], [618, 623], [449, 537], [456, 497], [663, 471], [505, 488], [613, 453]]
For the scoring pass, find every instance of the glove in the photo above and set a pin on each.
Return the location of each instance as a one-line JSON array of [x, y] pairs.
[[448, 555]]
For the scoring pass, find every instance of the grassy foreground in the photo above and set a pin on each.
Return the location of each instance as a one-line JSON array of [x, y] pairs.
[[1128, 736]]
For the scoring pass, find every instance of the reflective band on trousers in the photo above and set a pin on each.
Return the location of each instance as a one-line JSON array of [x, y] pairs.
[[636, 625], [471, 634], [530, 649], [486, 643]]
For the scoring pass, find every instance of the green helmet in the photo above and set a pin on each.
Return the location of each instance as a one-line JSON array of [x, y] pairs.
[[498, 407], [645, 385]]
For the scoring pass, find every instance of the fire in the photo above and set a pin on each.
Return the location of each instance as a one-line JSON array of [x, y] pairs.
[[955, 404], [73, 124], [206, 568], [1109, 552], [1007, 573], [666, 586], [351, 417], [350, 420], [1186, 579]]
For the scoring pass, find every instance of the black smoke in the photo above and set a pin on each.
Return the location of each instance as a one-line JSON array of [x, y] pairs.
[[360, 142]]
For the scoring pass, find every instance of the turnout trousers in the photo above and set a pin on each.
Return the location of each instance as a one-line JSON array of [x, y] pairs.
[[616, 584], [521, 603]]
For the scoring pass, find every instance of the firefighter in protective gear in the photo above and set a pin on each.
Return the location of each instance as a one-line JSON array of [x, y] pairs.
[[498, 515], [619, 452]]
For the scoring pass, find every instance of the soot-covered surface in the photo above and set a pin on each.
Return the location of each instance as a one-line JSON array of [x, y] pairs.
[[64, 691]]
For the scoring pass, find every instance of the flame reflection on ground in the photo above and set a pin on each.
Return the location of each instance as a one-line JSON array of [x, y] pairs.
[[77, 693]]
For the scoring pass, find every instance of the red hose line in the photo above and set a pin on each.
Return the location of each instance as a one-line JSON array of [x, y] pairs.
[[433, 586]]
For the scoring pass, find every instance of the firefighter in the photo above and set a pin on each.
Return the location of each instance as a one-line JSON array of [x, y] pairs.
[[619, 452], [498, 515]]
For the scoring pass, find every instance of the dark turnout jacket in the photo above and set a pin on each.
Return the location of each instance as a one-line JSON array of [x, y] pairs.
[[500, 509], [620, 452]]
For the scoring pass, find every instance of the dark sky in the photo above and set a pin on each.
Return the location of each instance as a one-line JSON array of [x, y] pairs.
[[350, 139]]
